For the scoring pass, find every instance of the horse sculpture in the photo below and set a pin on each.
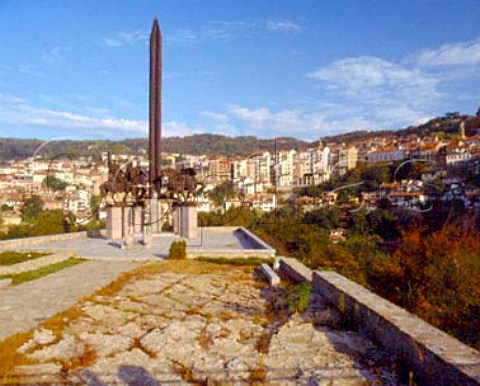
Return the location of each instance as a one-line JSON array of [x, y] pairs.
[[132, 182]]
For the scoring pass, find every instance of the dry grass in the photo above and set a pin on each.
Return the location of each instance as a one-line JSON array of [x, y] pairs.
[[85, 359], [58, 322], [225, 316], [204, 339], [188, 375], [138, 345], [9, 357], [263, 343], [258, 375]]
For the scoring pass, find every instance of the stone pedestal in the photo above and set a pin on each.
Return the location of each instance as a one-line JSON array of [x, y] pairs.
[[147, 228], [154, 211], [176, 219], [137, 220], [127, 222], [114, 222], [186, 221]]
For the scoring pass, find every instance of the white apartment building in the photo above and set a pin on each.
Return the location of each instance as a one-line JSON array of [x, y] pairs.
[[312, 166], [284, 166]]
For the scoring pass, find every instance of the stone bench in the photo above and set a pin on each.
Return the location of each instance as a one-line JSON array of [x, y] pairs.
[[272, 277]]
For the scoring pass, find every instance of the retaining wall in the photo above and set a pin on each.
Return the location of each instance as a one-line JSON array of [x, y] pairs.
[[21, 242], [30, 265], [434, 356]]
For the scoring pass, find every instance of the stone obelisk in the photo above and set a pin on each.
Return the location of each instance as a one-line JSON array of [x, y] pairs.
[[155, 133], [155, 130]]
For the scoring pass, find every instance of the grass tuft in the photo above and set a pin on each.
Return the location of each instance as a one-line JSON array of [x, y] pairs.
[[43, 271], [12, 257]]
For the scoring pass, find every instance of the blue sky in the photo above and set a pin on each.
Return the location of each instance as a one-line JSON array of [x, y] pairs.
[[79, 69]]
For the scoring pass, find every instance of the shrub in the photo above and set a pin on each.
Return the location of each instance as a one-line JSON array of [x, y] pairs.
[[299, 297], [178, 250]]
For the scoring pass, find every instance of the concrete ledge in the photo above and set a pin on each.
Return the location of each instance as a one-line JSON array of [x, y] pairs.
[[30, 265], [5, 283], [294, 269], [432, 354], [229, 253], [4, 244], [256, 241], [270, 274]]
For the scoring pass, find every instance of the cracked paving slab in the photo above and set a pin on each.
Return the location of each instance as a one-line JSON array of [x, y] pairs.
[[26, 305], [219, 325]]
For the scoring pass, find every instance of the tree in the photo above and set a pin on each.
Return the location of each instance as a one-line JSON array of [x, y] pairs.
[[323, 218], [383, 223], [358, 222], [54, 183], [6, 208], [222, 193], [31, 208], [478, 113]]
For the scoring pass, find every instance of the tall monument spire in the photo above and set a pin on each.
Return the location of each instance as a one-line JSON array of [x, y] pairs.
[[155, 132]]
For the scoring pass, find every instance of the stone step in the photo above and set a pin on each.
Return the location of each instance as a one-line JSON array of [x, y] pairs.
[[272, 278]]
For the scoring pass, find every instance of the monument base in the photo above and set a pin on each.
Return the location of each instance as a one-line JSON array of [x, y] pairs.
[[114, 222], [185, 222]]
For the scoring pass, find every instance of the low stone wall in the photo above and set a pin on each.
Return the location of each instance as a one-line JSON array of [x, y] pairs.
[[295, 270], [30, 265], [434, 356], [21, 242]]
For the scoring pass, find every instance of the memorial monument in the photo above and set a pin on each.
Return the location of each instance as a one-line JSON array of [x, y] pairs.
[[144, 193]]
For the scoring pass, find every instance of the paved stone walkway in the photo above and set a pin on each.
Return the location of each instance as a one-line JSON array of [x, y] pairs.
[[26, 305], [209, 239], [196, 323]]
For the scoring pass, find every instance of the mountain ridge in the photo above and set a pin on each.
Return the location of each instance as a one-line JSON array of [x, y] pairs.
[[217, 144]]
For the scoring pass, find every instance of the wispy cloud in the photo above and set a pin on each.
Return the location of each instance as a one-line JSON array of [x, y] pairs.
[[217, 117], [378, 81], [15, 111], [52, 56], [386, 94], [451, 55], [303, 123], [126, 38], [282, 26], [229, 30]]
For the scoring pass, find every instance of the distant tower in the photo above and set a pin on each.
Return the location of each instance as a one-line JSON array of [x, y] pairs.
[[155, 132], [462, 130]]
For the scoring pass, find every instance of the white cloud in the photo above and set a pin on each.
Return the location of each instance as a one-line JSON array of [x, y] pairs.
[[376, 80], [217, 117], [305, 124], [15, 111], [228, 30], [451, 54], [127, 38], [283, 26], [178, 129]]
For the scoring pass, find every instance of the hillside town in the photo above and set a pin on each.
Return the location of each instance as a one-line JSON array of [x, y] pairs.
[[439, 168]]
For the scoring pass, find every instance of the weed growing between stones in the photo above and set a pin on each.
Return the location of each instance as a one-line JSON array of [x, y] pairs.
[[299, 297]]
